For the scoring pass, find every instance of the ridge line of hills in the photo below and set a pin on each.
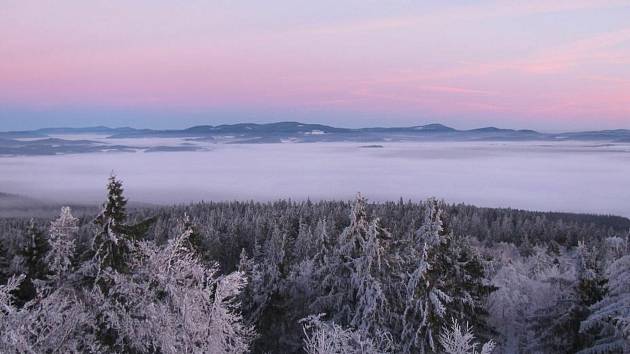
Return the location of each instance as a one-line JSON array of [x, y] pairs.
[[288, 128], [55, 141]]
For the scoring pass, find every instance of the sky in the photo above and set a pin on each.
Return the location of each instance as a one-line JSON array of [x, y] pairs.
[[549, 65]]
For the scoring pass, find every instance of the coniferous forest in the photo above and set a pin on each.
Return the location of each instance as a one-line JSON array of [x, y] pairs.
[[314, 277]]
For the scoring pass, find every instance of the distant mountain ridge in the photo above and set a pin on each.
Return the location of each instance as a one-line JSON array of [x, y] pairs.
[[308, 132], [51, 141]]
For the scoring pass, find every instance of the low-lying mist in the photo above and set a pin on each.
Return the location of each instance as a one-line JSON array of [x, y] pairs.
[[573, 177]]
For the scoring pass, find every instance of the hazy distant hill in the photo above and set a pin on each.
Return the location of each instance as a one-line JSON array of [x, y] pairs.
[[303, 132], [39, 142], [86, 130], [54, 146]]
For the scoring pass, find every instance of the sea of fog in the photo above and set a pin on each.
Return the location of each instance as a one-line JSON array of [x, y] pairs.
[[572, 177]]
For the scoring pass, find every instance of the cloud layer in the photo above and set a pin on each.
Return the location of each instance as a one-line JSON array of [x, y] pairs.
[[574, 177]]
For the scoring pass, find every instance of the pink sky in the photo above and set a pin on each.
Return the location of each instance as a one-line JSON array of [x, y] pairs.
[[560, 65]]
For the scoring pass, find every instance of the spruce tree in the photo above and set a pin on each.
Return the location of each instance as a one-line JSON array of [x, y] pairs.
[[32, 253], [4, 264], [62, 233], [352, 287], [304, 243], [609, 318], [115, 241], [469, 289], [557, 326], [445, 281], [194, 241], [112, 244], [267, 307], [115, 208], [526, 248], [324, 244], [425, 296]]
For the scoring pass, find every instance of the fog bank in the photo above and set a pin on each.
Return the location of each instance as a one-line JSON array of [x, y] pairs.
[[572, 177]]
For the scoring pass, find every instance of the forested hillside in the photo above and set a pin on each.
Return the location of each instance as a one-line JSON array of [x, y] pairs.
[[314, 277]]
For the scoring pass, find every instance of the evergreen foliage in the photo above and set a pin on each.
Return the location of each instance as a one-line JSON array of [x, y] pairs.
[[325, 277], [557, 326], [31, 259], [610, 317], [4, 263], [62, 233], [113, 244]]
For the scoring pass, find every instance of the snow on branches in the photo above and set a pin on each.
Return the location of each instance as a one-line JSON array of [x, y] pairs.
[[61, 232], [458, 339]]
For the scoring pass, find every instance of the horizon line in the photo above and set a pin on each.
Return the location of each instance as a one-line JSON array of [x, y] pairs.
[[298, 122]]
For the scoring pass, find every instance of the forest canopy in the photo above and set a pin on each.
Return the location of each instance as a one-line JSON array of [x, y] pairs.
[[314, 277]]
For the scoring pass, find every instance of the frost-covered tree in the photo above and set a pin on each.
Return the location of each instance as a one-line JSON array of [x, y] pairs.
[[446, 279], [425, 289], [613, 248], [33, 252], [171, 303], [330, 338], [168, 302], [325, 243], [62, 232], [10, 338], [271, 307], [7, 298], [469, 288], [526, 248], [113, 243], [305, 241], [539, 263], [456, 339], [590, 283], [4, 264], [115, 240], [352, 288], [196, 238], [268, 273], [57, 323], [114, 210], [556, 326], [510, 304], [32, 261], [610, 317], [140, 308]]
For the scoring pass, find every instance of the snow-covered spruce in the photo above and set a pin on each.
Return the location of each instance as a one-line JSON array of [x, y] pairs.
[[457, 339], [390, 277], [610, 317]]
